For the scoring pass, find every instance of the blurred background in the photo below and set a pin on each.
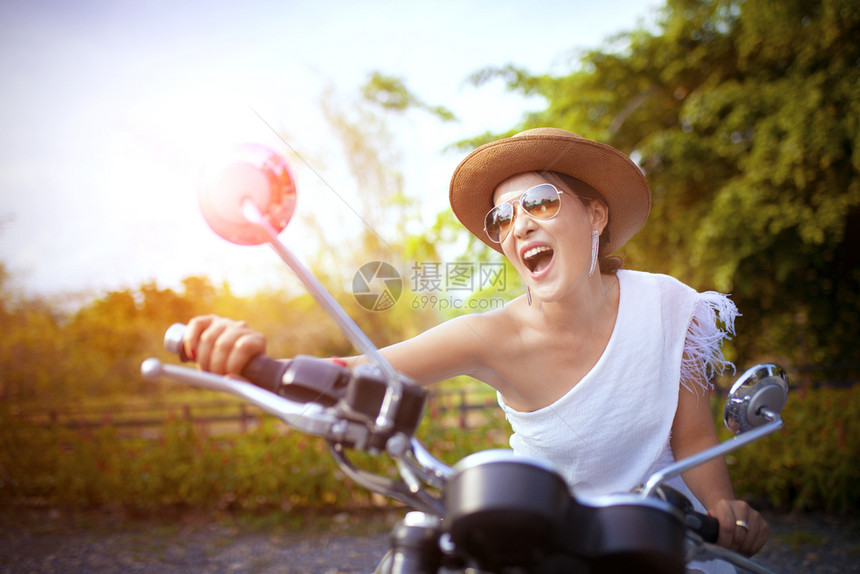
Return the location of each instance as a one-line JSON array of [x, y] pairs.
[[113, 111], [744, 115]]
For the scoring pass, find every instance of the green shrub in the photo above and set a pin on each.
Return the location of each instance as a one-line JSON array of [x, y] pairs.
[[810, 465]]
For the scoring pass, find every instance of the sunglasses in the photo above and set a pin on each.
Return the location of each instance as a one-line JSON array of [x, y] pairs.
[[541, 202]]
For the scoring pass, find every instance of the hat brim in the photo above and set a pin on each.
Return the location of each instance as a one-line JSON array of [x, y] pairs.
[[610, 172]]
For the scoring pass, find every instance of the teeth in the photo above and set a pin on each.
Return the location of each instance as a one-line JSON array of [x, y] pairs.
[[535, 250]]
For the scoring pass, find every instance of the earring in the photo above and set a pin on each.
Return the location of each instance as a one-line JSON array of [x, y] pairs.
[[528, 295], [595, 246]]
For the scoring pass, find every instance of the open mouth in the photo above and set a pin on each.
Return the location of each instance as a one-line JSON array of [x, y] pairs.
[[537, 258]]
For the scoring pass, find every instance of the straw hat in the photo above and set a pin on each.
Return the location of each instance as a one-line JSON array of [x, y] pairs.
[[603, 167]]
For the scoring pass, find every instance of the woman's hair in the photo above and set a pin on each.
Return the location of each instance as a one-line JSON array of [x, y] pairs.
[[609, 264]]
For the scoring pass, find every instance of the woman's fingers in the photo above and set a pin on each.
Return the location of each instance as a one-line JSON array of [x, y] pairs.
[[724, 513], [742, 528], [757, 535], [245, 347], [220, 345]]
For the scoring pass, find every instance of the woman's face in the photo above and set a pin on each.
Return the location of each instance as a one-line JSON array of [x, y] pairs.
[[552, 255]]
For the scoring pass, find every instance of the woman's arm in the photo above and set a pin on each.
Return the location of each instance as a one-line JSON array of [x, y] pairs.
[[693, 431], [460, 346]]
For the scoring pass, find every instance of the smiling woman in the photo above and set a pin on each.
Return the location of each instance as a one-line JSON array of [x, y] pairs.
[[602, 373]]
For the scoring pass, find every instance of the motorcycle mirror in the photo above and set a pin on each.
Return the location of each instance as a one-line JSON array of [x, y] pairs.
[[252, 173], [757, 396]]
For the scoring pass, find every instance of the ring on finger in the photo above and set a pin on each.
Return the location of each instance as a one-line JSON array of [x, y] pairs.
[[743, 524]]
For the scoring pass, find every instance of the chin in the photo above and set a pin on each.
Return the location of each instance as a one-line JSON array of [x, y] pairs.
[[545, 295]]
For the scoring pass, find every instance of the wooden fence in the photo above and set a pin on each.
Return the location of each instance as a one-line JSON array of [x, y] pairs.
[[463, 407]]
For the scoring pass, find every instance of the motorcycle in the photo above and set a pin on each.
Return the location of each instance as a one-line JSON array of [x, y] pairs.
[[493, 511]]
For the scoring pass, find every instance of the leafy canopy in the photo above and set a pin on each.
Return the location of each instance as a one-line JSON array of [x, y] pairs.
[[745, 116]]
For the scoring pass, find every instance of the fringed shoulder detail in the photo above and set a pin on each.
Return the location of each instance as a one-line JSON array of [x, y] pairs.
[[713, 322]]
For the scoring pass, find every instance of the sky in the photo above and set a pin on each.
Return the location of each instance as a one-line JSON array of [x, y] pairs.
[[112, 112]]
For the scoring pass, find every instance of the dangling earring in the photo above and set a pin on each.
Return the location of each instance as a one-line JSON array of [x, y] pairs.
[[528, 295], [595, 246]]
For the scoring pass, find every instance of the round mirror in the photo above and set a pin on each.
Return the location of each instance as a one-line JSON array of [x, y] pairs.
[[252, 173], [761, 387]]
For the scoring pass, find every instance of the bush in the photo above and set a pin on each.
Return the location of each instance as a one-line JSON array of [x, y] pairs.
[[810, 465]]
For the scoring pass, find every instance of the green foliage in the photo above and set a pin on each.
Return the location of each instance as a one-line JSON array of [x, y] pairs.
[[31, 333], [52, 358], [810, 465], [187, 467], [392, 94], [745, 116]]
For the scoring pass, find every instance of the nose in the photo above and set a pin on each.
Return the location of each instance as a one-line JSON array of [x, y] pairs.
[[522, 224]]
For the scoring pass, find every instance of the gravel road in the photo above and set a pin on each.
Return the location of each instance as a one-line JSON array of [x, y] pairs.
[[47, 541]]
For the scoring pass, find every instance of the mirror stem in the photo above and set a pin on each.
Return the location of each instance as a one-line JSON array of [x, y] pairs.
[[721, 449], [394, 390], [769, 414]]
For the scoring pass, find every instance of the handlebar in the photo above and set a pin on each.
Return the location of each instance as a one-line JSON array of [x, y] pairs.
[[705, 526], [261, 370], [342, 406], [308, 418], [356, 395], [325, 399]]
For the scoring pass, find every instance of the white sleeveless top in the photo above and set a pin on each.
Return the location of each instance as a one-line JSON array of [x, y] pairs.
[[611, 431]]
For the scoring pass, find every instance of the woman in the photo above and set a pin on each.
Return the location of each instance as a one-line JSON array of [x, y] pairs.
[[604, 371]]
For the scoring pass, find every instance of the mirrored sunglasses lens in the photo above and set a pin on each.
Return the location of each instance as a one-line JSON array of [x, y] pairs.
[[542, 201], [498, 221]]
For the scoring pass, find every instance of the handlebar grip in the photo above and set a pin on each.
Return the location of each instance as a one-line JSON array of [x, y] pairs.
[[261, 370], [705, 526], [265, 372], [302, 379]]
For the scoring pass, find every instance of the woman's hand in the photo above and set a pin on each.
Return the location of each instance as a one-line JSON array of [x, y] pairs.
[[742, 528], [220, 345]]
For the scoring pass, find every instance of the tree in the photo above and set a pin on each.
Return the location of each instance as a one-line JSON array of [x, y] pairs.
[[32, 352], [745, 116]]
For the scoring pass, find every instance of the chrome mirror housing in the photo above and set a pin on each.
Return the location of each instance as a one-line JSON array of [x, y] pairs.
[[757, 397], [249, 173]]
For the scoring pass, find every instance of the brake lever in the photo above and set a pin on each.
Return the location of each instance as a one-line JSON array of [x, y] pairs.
[[309, 418]]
